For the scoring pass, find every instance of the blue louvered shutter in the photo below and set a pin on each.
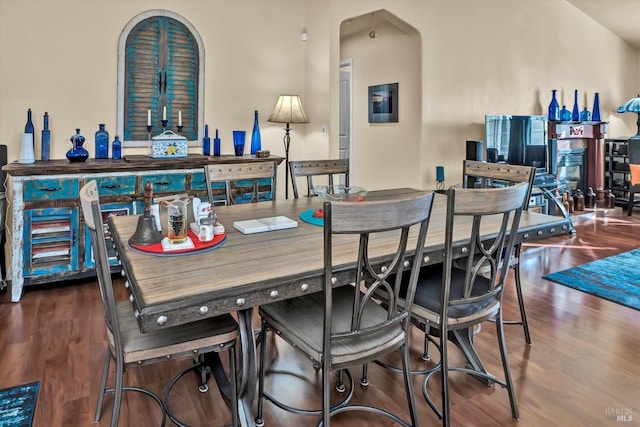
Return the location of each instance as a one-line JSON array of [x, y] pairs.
[[161, 69]]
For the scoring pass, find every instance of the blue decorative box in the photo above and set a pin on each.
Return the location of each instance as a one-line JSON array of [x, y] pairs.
[[168, 145]]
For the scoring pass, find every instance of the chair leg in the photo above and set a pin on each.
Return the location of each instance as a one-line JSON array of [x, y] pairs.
[[326, 397], [630, 203], [444, 370], [364, 381], [408, 385], [505, 365], [103, 385], [234, 386], [117, 394], [263, 350], [523, 313]]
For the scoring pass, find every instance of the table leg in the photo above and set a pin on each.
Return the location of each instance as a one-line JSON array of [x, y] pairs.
[[463, 339], [248, 368]]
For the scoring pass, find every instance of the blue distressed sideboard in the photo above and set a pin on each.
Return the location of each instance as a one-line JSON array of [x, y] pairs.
[[49, 242]]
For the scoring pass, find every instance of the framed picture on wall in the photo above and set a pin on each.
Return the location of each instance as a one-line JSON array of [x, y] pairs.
[[383, 103]]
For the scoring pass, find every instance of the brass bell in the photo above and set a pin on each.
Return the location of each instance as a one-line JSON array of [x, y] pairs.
[[147, 232]]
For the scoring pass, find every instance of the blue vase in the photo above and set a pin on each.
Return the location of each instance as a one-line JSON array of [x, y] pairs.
[[116, 148], [595, 116], [77, 152], [585, 115], [575, 114], [554, 108], [206, 142], [102, 143], [565, 115], [46, 139], [255, 135], [216, 145]]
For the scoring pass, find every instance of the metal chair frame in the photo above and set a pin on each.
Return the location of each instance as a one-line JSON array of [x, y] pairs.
[[344, 326], [128, 347], [313, 168]]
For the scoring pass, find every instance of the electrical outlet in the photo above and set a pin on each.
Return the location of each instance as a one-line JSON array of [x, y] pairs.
[[324, 129]]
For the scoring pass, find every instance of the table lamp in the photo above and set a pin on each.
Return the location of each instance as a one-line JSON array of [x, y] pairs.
[[288, 110], [632, 106]]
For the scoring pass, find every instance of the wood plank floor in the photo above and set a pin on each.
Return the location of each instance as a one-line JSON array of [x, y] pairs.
[[582, 369]]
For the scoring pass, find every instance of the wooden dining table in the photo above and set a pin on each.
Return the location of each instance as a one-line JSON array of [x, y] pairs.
[[253, 269]]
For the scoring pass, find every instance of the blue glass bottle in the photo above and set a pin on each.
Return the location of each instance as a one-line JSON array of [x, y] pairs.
[[575, 114], [554, 108], [116, 148], [565, 115], [216, 145], [77, 153], [46, 139], [255, 135], [28, 127], [595, 116], [206, 142], [585, 115], [102, 143]]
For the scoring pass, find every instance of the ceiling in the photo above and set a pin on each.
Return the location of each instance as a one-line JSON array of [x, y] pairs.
[[621, 17]]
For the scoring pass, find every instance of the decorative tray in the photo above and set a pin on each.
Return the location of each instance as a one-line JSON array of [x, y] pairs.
[[307, 216], [198, 246]]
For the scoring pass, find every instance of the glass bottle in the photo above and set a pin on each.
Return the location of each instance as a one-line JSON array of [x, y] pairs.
[[585, 115], [554, 108], [255, 135], [565, 115], [578, 200], [46, 139], [216, 145], [590, 199], [28, 127], [595, 116], [116, 148], [77, 153], [575, 114], [102, 143], [609, 199], [206, 142]]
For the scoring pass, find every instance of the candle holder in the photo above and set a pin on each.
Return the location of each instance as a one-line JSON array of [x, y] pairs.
[[180, 129], [164, 124], [149, 129]]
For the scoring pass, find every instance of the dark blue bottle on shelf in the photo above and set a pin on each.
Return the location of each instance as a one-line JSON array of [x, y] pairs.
[[28, 127], [255, 135], [554, 108], [77, 153], [575, 114], [216, 145], [116, 148], [565, 115], [46, 139], [102, 143], [206, 142], [595, 115]]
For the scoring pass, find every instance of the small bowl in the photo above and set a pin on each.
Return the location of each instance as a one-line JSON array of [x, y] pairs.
[[340, 193]]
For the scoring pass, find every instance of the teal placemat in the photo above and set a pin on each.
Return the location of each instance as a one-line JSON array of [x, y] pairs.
[[307, 216]]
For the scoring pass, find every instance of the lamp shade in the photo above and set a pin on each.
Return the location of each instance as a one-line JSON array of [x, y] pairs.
[[288, 109], [631, 106]]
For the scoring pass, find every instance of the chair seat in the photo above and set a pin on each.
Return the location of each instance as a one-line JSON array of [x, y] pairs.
[[429, 294], [206, 335], [300, 321]]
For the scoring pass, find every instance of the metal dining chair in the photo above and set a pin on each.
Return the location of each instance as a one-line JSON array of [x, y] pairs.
[[451, 298], [343, 325], [634, 170], [233, 175], [128, 347], [314, 168], [487, 175]]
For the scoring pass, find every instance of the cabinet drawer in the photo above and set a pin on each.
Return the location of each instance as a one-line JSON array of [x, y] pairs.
[[165, 183], [198, 181], [117, 185], [51, 189]]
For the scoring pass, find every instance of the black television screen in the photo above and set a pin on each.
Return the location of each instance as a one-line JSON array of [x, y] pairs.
[[517, 140]]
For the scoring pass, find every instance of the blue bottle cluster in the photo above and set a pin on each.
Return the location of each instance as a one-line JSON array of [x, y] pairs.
[[563, 114]]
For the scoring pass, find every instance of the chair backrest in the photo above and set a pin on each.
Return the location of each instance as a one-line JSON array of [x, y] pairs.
[[365, 219], [234, 172], [486, 175], [311, 168], [485, 265], [89, 200]]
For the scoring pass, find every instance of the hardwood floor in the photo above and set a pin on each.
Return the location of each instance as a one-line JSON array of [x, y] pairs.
[[581, 370]]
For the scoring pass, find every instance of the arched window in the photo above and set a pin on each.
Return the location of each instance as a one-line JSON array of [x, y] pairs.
[[160, 57]]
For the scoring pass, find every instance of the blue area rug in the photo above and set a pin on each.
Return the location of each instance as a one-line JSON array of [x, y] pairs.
[[17, 405], [616, 278]]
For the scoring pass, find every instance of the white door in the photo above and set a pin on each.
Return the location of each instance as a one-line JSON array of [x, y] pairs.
[[344, 122]]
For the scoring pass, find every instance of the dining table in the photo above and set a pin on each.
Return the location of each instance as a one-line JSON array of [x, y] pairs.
[[244, 271]]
